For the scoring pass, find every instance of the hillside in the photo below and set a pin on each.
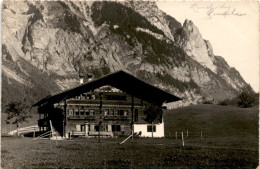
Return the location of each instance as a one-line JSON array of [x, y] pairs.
[[224, 124], [46, 44]]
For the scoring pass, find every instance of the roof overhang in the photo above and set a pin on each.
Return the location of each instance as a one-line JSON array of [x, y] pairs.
[[121, 80]]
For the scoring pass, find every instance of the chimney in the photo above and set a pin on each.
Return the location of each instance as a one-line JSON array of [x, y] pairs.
[[81, 81], [89, 77]]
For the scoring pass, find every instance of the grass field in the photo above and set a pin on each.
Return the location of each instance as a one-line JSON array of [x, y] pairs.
[[230, 140], [142, 153], [225, 126]]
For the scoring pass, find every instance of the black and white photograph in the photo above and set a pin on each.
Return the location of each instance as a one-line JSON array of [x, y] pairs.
[[129, 84]]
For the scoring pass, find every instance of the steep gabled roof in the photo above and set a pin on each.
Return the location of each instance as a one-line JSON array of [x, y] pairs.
[[121, 80]]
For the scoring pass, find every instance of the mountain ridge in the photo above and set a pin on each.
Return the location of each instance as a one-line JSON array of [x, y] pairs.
[[59, 39]]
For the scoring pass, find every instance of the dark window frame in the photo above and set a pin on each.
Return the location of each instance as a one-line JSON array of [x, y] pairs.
[[116, 128], [106, 112], [111, 112], [92, 112], [149, 128], [96, 128], [126, 112], [81, 112], [87, 112], [71, 112], [76, 111]]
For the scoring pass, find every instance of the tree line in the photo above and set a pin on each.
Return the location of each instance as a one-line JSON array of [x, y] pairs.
[[246, 99]]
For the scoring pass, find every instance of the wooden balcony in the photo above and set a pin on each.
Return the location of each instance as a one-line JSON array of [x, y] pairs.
[[81, 117], [74, 101], [104, 102], [116, 118]]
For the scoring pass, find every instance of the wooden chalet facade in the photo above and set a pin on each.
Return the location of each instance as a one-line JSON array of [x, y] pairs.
[[111, 104]]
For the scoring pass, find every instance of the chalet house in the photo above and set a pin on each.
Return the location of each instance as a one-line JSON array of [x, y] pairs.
[[112, 104]]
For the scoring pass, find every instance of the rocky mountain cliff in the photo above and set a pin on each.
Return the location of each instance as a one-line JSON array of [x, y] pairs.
[[45, 45]]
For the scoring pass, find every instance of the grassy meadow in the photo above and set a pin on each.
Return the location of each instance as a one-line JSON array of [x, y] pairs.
[[221, 125], [230, 140]]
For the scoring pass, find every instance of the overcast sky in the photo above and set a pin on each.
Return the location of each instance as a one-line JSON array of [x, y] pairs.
[[231, 27]]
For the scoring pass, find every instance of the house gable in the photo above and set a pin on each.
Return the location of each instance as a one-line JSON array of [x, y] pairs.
[[120, 80]]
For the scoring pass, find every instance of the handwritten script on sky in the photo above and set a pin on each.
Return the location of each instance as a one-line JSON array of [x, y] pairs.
[[231, 27], [213, 10]]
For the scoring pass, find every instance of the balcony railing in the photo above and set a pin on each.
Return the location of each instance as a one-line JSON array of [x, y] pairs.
[[108, 102], [116, 118], [81, 117], [74, 101]]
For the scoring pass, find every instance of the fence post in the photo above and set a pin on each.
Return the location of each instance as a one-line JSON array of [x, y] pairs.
[[9, 126], [118, 140], [169, 134], [56, 136], [33, 132], [201, 134], [176, 136], [182, 138], [187, 133]]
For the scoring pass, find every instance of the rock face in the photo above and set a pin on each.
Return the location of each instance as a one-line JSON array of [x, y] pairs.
[[46, 44], [150, 11], [191, 41]]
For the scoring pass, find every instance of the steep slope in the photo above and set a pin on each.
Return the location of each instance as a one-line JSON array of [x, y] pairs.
[[191, 41], [47, 44]]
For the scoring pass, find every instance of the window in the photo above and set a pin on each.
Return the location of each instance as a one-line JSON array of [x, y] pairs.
[[115, 113], [106, 112], [82, 112], [121, 112], [77, 111], [92, 112], [106, 128], [96, 128], [149, 128], [116, 128], [125, 112], [82, 127], [87, 112], [83, 97], [70, 112], [78, 127], [111, 112], [88, 96]]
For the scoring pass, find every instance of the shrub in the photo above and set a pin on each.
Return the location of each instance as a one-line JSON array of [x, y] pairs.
[[224, 102], [247, 98], [207, 102]]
